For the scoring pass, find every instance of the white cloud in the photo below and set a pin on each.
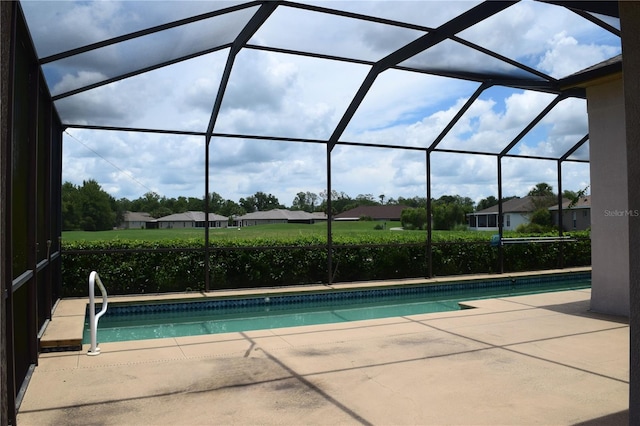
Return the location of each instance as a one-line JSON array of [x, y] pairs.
[[100, 106], [565, 125], [403, 97], [488, 126], [287, 96], [73, 81], [519, 33], [566, 56], [60, 26], [437, 14], [131, 164]]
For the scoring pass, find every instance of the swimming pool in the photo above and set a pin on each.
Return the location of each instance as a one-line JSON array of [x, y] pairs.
[[124, 322]]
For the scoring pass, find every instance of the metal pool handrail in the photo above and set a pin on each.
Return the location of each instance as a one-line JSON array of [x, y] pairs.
[[496, 240], [514, 240], [93, 317]]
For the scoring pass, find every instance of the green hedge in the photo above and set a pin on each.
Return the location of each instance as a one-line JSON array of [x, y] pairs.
[[135, 267]]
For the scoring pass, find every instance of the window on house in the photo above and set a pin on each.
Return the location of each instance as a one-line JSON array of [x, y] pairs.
[[574, 218], [508, 221]]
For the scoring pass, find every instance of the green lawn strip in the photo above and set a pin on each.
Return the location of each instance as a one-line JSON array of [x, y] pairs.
[[341, 231]]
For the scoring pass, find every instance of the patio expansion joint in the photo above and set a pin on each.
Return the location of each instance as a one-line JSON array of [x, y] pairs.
[[330, 342], [480, 312], [508, 347], [213, 356], [147, 362], [143, 362]]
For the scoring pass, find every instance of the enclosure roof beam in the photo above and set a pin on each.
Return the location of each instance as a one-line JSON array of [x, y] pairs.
[[533, 123], [589, 17], [575, 147], [447, 30], [502, 58], [353, 15], [138, 72], [247, 32], [540, 157], [316, 141], [145, 32], [495, 154], [549, 86], [608, 8], [456, 118], [133, 129]]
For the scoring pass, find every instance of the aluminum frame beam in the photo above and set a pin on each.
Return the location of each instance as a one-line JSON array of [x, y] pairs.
[[445, 31]]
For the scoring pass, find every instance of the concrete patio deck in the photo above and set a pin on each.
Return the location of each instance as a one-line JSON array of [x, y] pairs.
[[537, 359]]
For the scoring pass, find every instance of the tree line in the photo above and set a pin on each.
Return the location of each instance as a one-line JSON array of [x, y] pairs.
[[88, 207]]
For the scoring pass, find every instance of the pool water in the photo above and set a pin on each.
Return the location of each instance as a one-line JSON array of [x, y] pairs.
[[189, 318]]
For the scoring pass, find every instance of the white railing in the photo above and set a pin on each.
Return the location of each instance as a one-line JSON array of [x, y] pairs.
[[537, 240], [94, 279], [497, 241]]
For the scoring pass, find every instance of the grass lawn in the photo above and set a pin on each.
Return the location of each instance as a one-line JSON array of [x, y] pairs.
[[359, 229]]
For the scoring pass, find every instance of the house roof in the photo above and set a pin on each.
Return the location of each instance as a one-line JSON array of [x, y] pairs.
[[583, 202], [137, 217], [391, 211], [601, 70], [282, 214], [319, 215], [514, 205], [191, 217]]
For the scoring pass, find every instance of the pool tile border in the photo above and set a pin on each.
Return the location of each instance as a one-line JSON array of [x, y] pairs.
[[335, 295]]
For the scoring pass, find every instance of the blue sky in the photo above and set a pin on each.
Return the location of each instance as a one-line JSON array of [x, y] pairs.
[[276, 94]]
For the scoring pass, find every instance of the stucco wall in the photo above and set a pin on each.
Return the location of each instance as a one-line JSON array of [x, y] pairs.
[[582, 222], [179, 224], [516, 219], [630, 19], [609, 200]]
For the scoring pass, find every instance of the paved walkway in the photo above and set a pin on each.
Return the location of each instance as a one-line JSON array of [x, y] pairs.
[[539, 359]]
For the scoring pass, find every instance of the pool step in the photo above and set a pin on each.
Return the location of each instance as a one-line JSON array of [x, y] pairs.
[[61, 347], [64, 331]]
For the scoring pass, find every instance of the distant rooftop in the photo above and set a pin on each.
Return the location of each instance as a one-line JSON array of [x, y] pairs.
[[388, 212], [283, 214], [192, 217], [514, 205], [137, 217], [583, 202]]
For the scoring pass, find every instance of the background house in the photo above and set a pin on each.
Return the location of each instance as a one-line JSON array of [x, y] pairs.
[[136, 220], [388, 212], [576, 217], [192, 220], [515, 212], [279, 216]]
